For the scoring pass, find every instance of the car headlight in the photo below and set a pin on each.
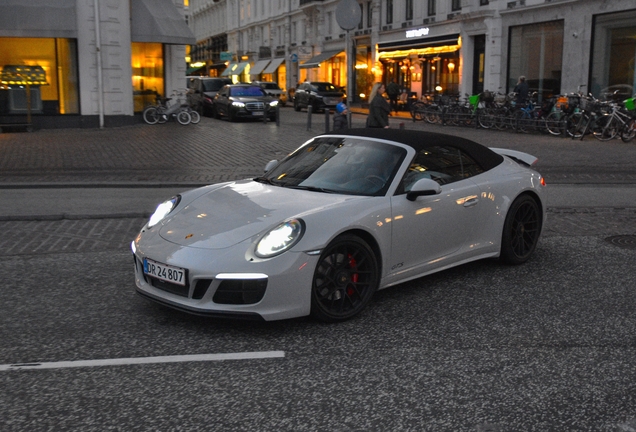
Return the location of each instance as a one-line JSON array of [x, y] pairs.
[[238, 104], [273, 103], [163, 210], [280, 239]]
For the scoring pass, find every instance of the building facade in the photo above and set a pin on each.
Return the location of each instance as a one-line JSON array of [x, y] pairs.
[[426, 46], [89, 63]]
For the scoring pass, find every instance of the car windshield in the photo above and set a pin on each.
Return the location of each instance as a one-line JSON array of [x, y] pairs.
[[213, 85], [354, 166], [325, 87], [270, 86], [246, 91]]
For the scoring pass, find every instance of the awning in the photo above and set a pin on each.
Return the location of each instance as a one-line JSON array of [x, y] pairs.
[[315, 61], [38, 18], [234, 69], [258, 67], [273, 65], [451, 39], [192, 70], [159, 21]]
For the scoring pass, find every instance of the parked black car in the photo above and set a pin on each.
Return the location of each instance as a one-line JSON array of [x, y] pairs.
[[320, 95], [243, 101], [201, 92]]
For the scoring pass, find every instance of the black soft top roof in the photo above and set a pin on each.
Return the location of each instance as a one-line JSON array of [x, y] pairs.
[[419, 140]]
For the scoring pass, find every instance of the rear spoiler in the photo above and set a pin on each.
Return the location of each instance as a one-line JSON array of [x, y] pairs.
[[517, 156]]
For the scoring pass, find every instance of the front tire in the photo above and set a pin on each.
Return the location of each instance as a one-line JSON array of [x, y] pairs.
[[345, 279], [521, 230]]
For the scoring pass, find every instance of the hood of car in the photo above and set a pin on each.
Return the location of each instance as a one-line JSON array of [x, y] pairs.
[[238, 211], [246, 99]]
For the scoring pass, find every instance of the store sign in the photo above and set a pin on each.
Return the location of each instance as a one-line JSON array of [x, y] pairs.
[[226, 56], [417, 33]]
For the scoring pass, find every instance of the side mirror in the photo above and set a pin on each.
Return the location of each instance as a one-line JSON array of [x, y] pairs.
[[270, 165], [423, 187]]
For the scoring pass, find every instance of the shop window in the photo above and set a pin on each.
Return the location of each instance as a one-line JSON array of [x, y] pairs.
[[613, 55], [57, 58], [147, 70], [536, 52]]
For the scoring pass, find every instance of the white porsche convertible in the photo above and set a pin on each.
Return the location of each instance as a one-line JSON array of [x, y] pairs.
[[344, 215]]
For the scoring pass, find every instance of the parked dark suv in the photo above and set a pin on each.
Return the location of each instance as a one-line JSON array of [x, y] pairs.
[[320, 95], [201, 92]]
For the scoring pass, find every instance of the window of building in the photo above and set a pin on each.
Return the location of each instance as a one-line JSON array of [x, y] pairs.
[[536, 52], [369, 14], [613, 56], [389, 11], [483, 2], [148, 73], [360, 24], [58, 58], [409, 10], [431, 7], [456, 5]]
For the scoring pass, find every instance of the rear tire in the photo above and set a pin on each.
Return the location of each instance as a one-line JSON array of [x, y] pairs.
[[521, 230]]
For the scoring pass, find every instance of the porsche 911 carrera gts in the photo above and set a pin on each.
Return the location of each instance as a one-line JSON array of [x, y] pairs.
[[344, 215]]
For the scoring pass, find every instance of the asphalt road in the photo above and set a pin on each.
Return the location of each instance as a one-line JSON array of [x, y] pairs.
[[546, 346]]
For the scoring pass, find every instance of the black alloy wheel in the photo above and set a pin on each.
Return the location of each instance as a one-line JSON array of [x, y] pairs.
[[521, 230], [345, 279]]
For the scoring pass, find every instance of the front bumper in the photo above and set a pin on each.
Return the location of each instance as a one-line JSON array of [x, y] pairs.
[[288, 281]]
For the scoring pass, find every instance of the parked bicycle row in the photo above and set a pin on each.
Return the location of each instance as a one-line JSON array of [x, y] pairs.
[[172, 108], [574, 115]]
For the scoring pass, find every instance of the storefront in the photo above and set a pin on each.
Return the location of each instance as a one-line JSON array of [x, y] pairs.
[[422, 63], [97, 63]]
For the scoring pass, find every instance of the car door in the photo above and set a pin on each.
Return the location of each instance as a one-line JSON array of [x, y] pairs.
[[302, 93], [433, 230], [221, 100]]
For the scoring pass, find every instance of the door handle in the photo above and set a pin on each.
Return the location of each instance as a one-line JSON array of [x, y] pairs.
[[471, 202]]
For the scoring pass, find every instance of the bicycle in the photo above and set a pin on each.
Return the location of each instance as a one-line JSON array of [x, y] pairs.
[[610, 125], [162, 112]]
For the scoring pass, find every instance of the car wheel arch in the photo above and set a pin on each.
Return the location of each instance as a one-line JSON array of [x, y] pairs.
[[368, 239]]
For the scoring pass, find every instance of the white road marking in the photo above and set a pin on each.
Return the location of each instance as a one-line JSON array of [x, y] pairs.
[[144, 360]]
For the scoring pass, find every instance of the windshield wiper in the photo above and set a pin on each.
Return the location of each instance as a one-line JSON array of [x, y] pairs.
[[312, 188], [265, 180]]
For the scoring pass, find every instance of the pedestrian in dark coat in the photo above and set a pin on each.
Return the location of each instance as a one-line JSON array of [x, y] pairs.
[[522, 91], [379, 108]]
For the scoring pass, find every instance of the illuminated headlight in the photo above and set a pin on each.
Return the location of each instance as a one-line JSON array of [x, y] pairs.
[[280, 239], [163, 210], [273, 103], [238, 104]]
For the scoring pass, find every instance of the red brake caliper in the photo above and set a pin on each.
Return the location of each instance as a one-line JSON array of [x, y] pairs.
[[354, 276]]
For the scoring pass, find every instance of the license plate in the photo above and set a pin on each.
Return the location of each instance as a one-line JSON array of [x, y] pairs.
[[257, 113], [165, 272]]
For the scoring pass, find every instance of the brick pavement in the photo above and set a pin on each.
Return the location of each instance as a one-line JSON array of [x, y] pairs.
[[217, 150]]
